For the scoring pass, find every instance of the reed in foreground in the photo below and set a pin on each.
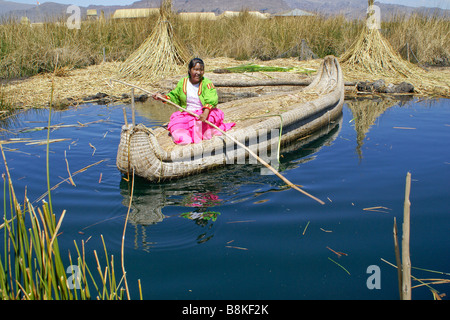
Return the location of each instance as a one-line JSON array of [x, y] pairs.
[[31, 265], [402, 256]]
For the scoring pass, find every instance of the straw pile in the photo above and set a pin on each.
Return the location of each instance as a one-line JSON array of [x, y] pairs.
[[373, 57], [373, 54], [160, 55]]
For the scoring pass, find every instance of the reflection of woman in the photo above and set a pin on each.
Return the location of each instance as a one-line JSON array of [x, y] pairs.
[[203, 199], [202, 202], [196, 94]]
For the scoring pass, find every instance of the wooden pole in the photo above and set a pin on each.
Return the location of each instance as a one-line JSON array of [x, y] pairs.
[[125, 116], [406, 261], [236, 141], [260, 83], [268, 83], [398, 260], [370, 13], [407, 50], [133, 107]]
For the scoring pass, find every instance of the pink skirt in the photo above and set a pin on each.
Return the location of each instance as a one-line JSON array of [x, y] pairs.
[[186, 129]]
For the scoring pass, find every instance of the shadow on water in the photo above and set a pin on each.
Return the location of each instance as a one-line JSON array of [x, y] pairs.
[[201, 196]]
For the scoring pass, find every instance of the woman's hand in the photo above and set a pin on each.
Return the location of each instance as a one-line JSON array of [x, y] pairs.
[[204, 115], [158, 96]]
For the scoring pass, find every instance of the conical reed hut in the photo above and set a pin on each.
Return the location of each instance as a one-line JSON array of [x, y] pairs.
[[159, 55], [373, 57]]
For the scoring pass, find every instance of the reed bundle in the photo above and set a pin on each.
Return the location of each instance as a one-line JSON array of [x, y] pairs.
[[159, 55], [372, 56]]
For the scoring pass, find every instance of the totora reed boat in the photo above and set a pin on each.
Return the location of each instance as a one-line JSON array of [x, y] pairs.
[[263, 124]]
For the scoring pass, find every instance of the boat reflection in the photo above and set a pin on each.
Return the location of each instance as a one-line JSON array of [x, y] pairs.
[[201, 196]]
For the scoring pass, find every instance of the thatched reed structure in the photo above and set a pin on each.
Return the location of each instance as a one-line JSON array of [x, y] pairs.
[[159, 55], [197, 16], [373, 54], [135, 13], [373, 57]]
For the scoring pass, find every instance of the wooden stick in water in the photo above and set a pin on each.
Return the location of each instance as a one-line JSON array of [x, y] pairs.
[[236, 141], [406, 261], [398, 259], [133, 106], [125, 116]]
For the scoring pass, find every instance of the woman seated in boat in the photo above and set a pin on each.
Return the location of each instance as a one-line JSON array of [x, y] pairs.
[[198, 95]]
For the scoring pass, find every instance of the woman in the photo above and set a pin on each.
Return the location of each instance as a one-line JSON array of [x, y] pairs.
[[196, 94]]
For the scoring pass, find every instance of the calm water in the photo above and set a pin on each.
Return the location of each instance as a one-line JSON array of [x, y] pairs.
[[236, 234]]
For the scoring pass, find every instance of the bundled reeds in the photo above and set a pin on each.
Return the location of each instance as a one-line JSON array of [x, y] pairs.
[[372, 56], [160, 54]]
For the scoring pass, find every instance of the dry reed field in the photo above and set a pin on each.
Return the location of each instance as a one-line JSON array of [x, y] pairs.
[[73, 59]]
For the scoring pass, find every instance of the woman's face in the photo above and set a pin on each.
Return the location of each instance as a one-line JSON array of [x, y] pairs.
[[196, 73]]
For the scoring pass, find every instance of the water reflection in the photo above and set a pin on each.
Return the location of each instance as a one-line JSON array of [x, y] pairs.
[[200, 197], [366, 111], [155, 110], [13, 119]]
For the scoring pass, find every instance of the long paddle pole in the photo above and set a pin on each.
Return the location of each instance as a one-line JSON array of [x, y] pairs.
[[264, 163]]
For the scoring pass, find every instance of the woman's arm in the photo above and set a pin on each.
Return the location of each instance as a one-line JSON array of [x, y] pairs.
[[204, 115], [173, 95], [209, 95]]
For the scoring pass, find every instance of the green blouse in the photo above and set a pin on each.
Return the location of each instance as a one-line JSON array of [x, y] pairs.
[[206, 92]]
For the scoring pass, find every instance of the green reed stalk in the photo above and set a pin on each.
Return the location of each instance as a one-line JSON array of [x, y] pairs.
[[32, 267], [48, 146]]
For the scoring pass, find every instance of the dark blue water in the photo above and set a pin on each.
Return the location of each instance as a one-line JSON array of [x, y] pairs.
[[236, 234]]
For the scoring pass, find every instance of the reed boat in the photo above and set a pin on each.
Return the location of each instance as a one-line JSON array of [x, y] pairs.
[[198, 191], [265, 125]]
